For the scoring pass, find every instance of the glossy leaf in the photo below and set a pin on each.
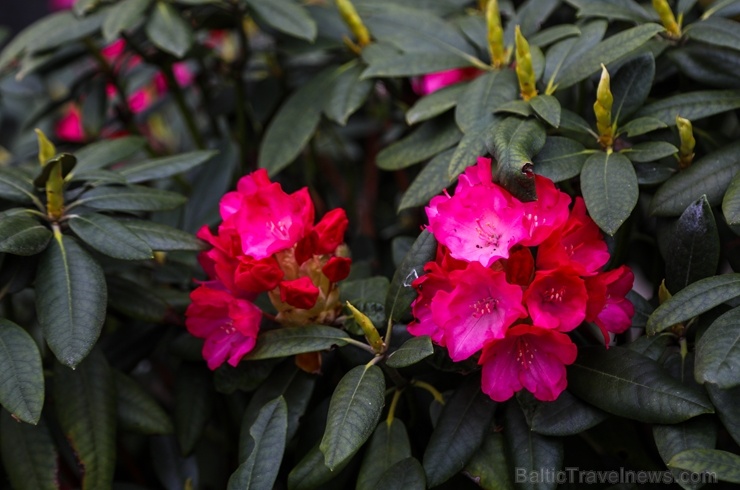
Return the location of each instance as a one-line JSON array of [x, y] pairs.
[[553, 34], [400, 293], [561, 53], [731, 204], [193, 405], [348, 93], [691, 105], [15, 186], [722, 465], [411, 352], [424, 142], [548, 108], [124, 16], [471, 146], [169, 31], [285, 16], [718, 352], [649, 151], [697, 433], [628, 384], [483, 96], [29, 455], [162, 237], [567, 415], [110, 237], [130, 198], [411, 64], [725, 403], [311, 472], [160, 168], [641, 125], [693, 300], [137, 410], [407, 474], [716, 31], [353, 413], [21, 375], [70, 300], [435, 103], [432, 180], [458, 434], [290, 341], [388, 445], [22, 235], [609, 186], [368, 296], [627, 11], [489, 466], [259, 471], [106, 152], [560, 159], [85, 402]]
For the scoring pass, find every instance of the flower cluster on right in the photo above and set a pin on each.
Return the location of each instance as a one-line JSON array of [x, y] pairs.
[[511, 278]]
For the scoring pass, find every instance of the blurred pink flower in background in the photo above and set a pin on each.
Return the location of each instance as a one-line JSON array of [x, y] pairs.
[[426, 84]]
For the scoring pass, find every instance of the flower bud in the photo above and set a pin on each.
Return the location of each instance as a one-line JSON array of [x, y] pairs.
[[686, 150], [371, 333], [603, 110], [47, 150], [353, 20], [495, 34], [524, 70], [667, 18]]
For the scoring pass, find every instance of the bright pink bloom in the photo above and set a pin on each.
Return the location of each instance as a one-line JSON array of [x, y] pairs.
[[528, 357], [607, 305], [519, 267], [432, 82], [480, 307], [557, 299], [228, 324], [299, 293], [337, 268], [548, 213], [578, 244], [434, 280], [69, 126], [256, 276]]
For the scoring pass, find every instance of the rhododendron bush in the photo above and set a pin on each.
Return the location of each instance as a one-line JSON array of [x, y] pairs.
[[332, 244]]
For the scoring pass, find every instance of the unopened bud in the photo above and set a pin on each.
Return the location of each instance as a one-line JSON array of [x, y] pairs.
[[371, 333], [603, 110], [354, 22], [496, 46], [524, 70], [47, 150], [667, 18], [686, 150]]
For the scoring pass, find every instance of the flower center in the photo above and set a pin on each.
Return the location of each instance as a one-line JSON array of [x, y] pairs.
[[484, 306], [279, 229], [554, 295], [524, 355], [487, 232]]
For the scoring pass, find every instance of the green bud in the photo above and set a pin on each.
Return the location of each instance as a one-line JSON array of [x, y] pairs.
[[686, 150], [603, 110], [667, 18], [495, 35], [524, 71]]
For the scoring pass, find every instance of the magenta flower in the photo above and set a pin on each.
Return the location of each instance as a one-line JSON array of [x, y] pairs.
[[432, 82], [548, 213], [557, 299], [607, 306]]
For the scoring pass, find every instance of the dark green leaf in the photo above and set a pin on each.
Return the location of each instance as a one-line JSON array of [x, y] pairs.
[[407, 474], [21, 376], [693, 300], [160, 168], [718, 352], [424, 142], [136, 301], [162, 237], [725, 403], [348, 93], [471, 146], [85, 402], [716, 31], [627, 11], [628, 384], [652, 347], [435, 103], [697, 433], [22, 235], [563, 52], [168, 31], [400, 293], [311, 472], [368, 296], [573, 122], [123, 16], [516, 107], [245, 376], [692, 105], [65, 160], [70, 300], [731, 204], [286, 16], [458, 434], [649, 151], [530, 15], [432, 180], [483, 96], [605, 52], [110, 237], [560, 159], [290, 341], [137, 410], [388, 445], [29, 455], [267, 433], [553, 34], [721, 465], [565, 416], [641, 125], [530, 452], [489, 466], [411, 64], [727, 8], [513, 143], [130, 198], [15, 186], [193, 404], [609, 186], [694, 247], [353, 413], [103, 153], [631, 85], [643, 309], [411, 352], [548, 108]]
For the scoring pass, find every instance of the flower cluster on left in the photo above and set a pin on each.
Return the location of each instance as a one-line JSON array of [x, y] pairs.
[[266, 243]]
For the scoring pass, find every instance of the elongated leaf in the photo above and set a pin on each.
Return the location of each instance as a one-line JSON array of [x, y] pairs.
[[641, 125], [424, 142], [718, 465], [530, 452], [85, 404], [649, 151], [459, 433], [716, 31], [388, 445], [137, 410], [483, 96], [432, 180], [124, 16], [435, 103], [731, 204], [193, 405], [692, 105], [631, 85], [286, 16], [103, 153], [267, 433], [108, 236], [718, 352], [490, 466], [16, 186], [565, 416], [725, 403], [693, 248], [609, 186], [367, 295], [471, 146], [22, 235], [411, 352], [626, 383], [311, 472], [160, 168], [514, 142], [130, 198], [348, 93], [290, 341], [21, 376], [563, 52], [70, 300], [554, 34], [162, 237], [169, 31], [517, 108], [407, 474], [614, 11], [693, 300], [605, 52], [353, 413], [697, 433], [560, 159], [400, 293], [411, 64], [548, 108], [29, 455]]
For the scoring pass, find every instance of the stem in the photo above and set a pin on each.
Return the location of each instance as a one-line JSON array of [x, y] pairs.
[[431, 389], [392, 408], [684, 353], [182, 105], [241, 99], [361, 345]]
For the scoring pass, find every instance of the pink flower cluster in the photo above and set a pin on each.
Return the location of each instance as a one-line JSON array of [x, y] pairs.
[[511, 278], [427, 84], [266, 243]]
